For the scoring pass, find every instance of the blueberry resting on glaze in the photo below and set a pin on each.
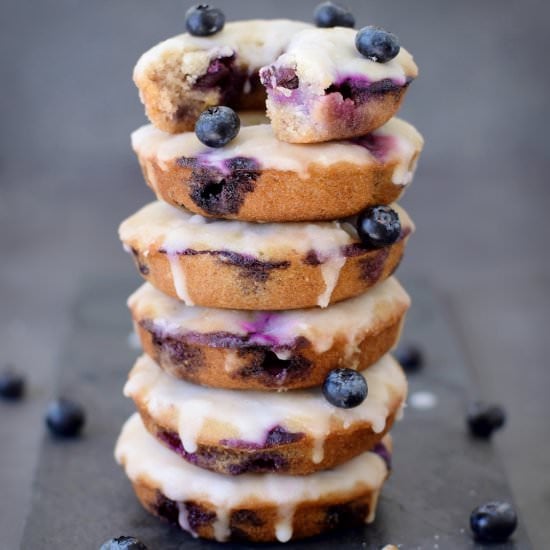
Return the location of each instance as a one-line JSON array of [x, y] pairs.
[[203, 20], [410, 357], [217, 126], [12, 384], [345, 388], [377, 44], [484, 419], [65, 418], [123, 543], [378, 226], [329, 14], [493, 521]]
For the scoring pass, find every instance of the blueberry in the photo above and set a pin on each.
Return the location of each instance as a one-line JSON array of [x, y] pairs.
[[377, 44], [378, 226], [123, 543], [202, 20], [493, 521], [345, 388], [409, 357], [65, 418], [217, 126], [12, 384], [329, 14], [484, 419]]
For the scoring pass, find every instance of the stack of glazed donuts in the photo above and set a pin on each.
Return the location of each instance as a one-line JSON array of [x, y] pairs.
[[266, 390]]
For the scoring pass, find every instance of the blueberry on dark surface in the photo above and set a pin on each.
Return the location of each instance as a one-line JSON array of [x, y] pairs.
[[65, 418], [12, 384], [203, 20], [329, 14], [377, 44], [493, 521], [410, 357], [378, 226], [345, 388], [483, 419], [123, 543], [217, 126]]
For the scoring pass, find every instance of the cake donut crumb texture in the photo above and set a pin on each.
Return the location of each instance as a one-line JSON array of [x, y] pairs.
[[235, 432], [182, 76], [252, 507], [321, 88], [256, 177], [242, 265], [266, 350]]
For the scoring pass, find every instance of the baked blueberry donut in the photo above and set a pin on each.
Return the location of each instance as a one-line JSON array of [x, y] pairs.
[[266, 350], [323, 88], [243, 265], [182, 76], [256, 177], [235, 432], [255, 508]]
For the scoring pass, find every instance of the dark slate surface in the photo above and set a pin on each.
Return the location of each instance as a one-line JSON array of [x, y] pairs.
[[81, 497]]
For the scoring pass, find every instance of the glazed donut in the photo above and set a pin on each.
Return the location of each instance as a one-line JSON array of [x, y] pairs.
[[256, 177]]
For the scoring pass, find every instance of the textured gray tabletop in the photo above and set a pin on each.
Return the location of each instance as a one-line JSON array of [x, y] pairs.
[[67, 177]]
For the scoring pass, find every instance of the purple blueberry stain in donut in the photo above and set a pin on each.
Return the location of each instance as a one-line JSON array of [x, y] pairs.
[[275, 436], [372, 267], [383, 452], [259, 463], [246, 517], [279, 77], [166, 508], [142, 267], [198, 516], [176, 350], [378, 145], [221, 189], [312, 258]]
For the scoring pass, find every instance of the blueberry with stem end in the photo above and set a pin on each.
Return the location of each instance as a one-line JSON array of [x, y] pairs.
[[378, 226], [329, 14], [123, 543], [12, 384], [377, 44], [65, 418], [483, 419], [203, 20], [345, 388], [493, 521], [217, 126]]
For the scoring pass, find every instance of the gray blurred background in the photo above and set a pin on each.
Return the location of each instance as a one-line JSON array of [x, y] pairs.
[[68, 177]]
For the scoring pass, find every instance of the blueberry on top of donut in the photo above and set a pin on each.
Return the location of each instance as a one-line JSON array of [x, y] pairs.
[[217, 126], [203, 20], [377, 44], [330, 14]]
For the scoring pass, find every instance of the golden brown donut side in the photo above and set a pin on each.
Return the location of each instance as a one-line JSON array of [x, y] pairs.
[[294, 458], [330, 192], [276, 284], [250, 367], [256, 521]]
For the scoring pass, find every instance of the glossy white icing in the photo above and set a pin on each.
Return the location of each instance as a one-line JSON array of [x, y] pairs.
[[348, 320], [145, 458], [259, 142], [209, 415], [255, 43], [322, 57], [175, 230]]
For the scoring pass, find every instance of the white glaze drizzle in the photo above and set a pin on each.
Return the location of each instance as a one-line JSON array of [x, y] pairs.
[[330, 270], [255, 43], [208, 415], [324, 56], [258, 141], [348, 320], [180, 282], [174, 230], [145, 458]]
